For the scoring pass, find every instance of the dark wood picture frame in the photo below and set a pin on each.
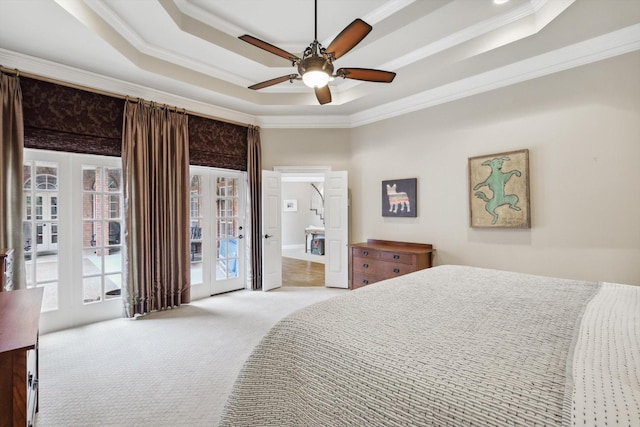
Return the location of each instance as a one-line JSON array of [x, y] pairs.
[[499, 190], [399, 198]]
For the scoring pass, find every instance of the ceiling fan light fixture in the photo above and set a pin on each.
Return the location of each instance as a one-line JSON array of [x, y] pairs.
[[315, 78], [315, 71]]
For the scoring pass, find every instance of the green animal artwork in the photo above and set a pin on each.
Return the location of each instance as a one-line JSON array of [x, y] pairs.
[[496, 182]]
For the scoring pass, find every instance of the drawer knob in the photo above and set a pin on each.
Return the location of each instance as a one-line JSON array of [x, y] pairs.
[[396, 270], [396, 257], [365, 281], [365, 265], [365, 252]]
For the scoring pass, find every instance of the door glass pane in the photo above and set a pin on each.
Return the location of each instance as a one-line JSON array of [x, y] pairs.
[[47, 268], [91, 289], [91, 263], [113, 262], [90, 178], [54, 207], [89, 202], [27, 207], [113, 286], [39, 207], [39, 233], [114, 183], [54, 233]]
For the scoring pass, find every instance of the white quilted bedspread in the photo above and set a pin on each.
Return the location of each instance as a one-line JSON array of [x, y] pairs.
[[447, 346]]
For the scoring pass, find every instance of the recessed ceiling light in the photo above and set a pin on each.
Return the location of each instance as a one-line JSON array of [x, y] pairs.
[[500, 1]]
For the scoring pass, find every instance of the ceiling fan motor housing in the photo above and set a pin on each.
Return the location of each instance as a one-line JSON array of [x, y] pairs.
[[315, 63]]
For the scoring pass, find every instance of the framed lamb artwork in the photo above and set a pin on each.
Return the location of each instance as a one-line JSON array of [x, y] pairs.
[[399, 198], [499, 190]]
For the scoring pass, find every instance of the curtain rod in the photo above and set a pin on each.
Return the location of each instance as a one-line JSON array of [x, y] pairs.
[[16, 72]]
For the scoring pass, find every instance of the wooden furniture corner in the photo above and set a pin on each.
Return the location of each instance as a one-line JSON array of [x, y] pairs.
[[19, 319]]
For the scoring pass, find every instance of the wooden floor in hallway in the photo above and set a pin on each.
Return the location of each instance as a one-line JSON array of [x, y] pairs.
[[296, 272]]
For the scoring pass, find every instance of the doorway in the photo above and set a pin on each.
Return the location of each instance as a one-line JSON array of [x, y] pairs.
[[303, 249]]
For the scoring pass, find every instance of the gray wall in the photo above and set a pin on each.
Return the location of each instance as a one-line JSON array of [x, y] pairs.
[[582, 129]]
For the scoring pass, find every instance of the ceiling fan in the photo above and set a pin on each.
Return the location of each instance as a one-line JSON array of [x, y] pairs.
[[315, 68]]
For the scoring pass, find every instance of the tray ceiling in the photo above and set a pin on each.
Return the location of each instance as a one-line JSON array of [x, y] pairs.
[[187, 53]]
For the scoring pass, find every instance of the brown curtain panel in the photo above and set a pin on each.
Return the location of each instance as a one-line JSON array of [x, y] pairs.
[[254, 172], [155, 159], [11, 182]]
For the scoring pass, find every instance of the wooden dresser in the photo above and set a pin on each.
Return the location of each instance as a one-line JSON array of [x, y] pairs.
[[377, 260], [19, 318], [6, 269]]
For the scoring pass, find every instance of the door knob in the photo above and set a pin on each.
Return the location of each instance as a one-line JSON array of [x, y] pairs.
[[266, 236]]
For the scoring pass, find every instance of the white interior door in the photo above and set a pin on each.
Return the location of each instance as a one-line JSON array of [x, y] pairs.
[[336, 199], [271, 230]]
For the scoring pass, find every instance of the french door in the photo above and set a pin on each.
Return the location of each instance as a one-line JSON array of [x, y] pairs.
[[217, 206], [72, 236]]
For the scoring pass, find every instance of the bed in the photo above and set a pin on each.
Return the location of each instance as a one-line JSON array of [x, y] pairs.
[[450, 346]]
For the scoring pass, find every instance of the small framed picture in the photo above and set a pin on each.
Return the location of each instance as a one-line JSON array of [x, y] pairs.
[[291, 205], [399, 197]]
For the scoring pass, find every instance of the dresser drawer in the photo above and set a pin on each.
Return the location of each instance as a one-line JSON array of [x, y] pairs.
[[397, 257], [365, 265], [388, 270], [363, 279], [365, 253]]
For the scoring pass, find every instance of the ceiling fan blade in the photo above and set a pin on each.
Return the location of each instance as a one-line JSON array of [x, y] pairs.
[[273, 82], [366, 74], [348, 38], [269, 47], [323, 94]]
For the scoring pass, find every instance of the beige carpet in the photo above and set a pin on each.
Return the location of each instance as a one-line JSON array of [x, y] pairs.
[[174, 368]]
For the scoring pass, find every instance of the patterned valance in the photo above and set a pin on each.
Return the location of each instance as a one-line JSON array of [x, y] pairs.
[[63, 118], [217, 144]]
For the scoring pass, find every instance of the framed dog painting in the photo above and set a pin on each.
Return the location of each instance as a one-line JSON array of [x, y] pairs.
[[399, 198], [499, 190]]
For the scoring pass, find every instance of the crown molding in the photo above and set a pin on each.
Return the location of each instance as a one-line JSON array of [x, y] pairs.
[[599, 48], [302, 122]]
